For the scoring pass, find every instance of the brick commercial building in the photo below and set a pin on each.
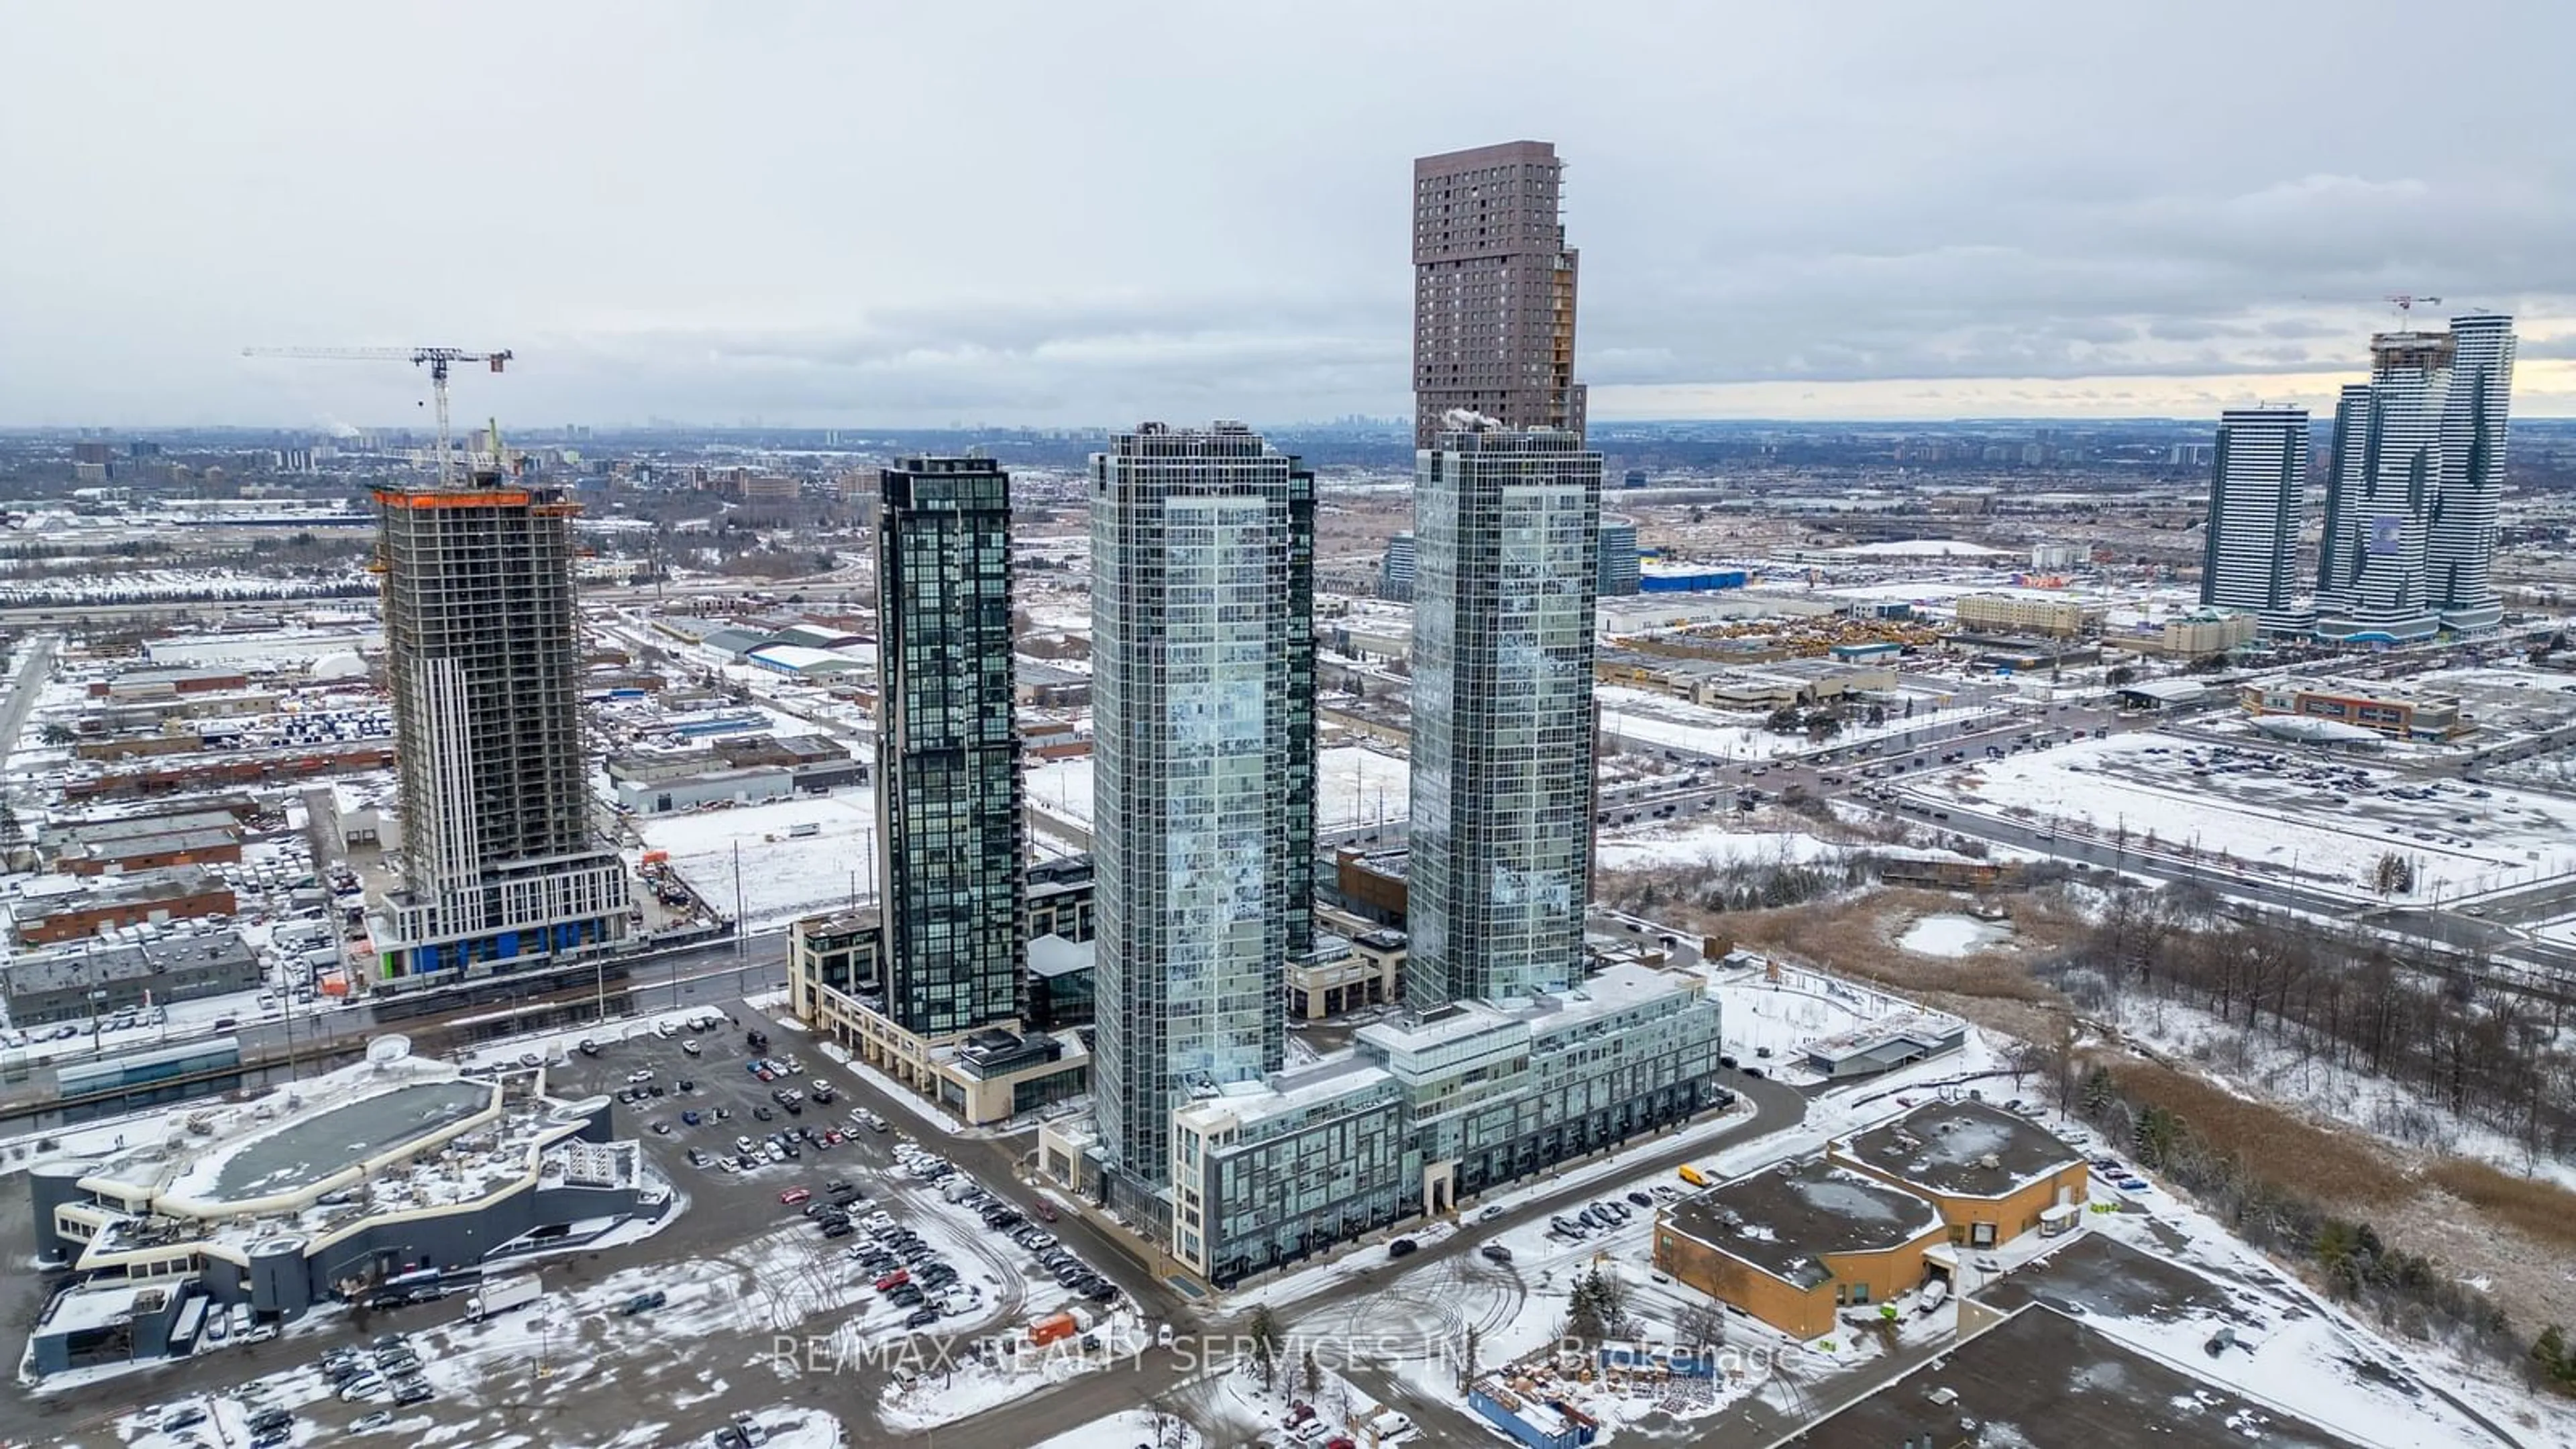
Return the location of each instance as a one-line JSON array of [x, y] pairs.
[[1793, 1245], [145, 896], [144, 842], [2392, 710], [1991, 1173], [72, 983]]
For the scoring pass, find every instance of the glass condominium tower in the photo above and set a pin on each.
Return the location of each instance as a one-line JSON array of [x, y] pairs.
[[2258, 499], [1203, 688], [1506, 525], [2412, 486], [948, 750]]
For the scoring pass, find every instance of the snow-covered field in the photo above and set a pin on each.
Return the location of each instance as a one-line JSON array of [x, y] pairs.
[[2143, 784], [1643, 718], [784, 876], [1713, 843], [1354, 786]]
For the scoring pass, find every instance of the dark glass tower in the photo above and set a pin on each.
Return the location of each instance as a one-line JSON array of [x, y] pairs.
[[948, 793]]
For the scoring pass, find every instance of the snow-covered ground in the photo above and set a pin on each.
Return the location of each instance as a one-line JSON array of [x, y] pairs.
[[784, 875], [1643, 718], [1354, 786], [1126, 1429], [2274, 820], [1713, 843], [1948, 935], [2252, 1065], [2299, 1351]]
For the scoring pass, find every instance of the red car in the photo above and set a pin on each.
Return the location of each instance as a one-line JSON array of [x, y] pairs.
[[833, 1136], [1046, 1210], [794, 1195], [893, 1280]]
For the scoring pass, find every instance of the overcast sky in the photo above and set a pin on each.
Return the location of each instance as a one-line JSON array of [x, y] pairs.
[[1085, 211]]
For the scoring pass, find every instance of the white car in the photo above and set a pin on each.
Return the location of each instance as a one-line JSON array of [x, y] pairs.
[[364, 1386], [665, 1030], [644, 1074], [745, 1144], [690, 1047]]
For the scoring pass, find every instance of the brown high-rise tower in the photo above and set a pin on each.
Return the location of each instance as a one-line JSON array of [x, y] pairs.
[[1493, 290]]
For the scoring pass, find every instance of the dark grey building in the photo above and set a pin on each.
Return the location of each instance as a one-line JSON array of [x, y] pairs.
[[949, 804], [503, 865], [1500, 834], [75, 982], [1203, 696], [1493, 290]]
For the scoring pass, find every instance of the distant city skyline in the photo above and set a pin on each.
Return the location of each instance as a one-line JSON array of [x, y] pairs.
[[1929, 214]]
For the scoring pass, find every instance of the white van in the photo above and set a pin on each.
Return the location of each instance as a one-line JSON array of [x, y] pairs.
[[1390, 1425]]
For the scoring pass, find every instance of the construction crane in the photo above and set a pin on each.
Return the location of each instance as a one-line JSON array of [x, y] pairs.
[[2405, 303], [436, 358]]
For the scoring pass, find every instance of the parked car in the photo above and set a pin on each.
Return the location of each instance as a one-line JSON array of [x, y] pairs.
[[1402, 1248], [645, 1302]]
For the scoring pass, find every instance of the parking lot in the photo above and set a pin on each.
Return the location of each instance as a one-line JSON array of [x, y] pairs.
[[679, 1327]]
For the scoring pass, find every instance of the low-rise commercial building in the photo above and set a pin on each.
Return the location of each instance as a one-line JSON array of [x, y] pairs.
[[144, 842], [75, 982], [2392, 710], [2195, 634], [1425, 1112], [2040, 1367], [1049, 686], [2021, 614], [665, 786], [94, 904], [400, 1171], [1794, 1245], [1346, 973], [836, 986], [1991, 1173], [1886, 1043], [164, 682]]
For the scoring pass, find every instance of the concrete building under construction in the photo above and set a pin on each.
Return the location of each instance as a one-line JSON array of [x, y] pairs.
[[503, 867]]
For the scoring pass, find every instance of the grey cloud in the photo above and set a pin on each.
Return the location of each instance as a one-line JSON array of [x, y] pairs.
[[1081, 214]]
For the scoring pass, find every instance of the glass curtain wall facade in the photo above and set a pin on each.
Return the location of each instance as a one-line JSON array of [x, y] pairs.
[[1203, 682], [1506, 525], [949, 796]]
